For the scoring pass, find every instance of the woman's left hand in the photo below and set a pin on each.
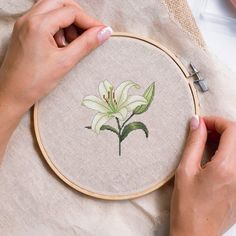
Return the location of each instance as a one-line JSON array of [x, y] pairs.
[[36, 61], [38, 56]]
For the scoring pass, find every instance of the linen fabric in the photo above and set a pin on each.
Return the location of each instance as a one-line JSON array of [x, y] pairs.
[[92, 160], [35, 202]]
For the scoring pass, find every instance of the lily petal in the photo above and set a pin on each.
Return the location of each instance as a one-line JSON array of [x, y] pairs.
[[121, 93], [122, 114], [99, 120], [95, 103], [104, 88], [134, 101]]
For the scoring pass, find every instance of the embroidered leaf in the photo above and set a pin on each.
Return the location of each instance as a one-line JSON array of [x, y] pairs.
[[106, 127], [149, 95], [118, 103], [132, 127]]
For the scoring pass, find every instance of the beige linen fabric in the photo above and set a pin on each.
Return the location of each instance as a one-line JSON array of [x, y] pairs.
[[92, 161], [180, 11], [35, 202]]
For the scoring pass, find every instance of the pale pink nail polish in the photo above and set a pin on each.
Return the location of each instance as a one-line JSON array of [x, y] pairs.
[[194, 123], [104, 34], [64, 43]]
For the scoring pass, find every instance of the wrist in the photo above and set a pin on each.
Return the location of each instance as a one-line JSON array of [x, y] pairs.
[[9, 119], [10, 109], [198, 230], [9, 103]]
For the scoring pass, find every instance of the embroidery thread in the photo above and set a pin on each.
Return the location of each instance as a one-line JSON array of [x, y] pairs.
[[119, 105]]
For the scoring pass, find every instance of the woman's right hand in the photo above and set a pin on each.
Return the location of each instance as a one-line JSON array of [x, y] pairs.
[[204, 197]]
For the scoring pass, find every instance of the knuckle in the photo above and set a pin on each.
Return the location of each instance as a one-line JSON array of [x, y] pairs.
[[185, 171], [224, 170], [231, 126], [180, 176], [181, 171], [19, 23], [33, 24], [72, 9], [64, 64]]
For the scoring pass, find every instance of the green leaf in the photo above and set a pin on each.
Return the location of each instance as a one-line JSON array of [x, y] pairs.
[[132, 127], [149, 95], [106, 127]]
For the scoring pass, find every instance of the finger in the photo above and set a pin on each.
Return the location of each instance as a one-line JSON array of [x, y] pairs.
[[71, 33], [60, 38], [227, 146], [44, 6], [227, 131], [66, 16], [85, 43], [233, 2], [217, 124], [222, 127], [195, 145]]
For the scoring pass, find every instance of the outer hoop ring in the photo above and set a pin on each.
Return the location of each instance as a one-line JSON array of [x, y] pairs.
[[118, 197]]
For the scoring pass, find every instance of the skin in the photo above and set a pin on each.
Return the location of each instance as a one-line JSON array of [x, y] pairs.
[[203, 200], [233, 2], [42, 50], [37, 58]]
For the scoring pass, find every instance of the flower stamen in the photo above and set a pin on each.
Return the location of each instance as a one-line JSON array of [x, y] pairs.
[[114, 98], [106, 100]]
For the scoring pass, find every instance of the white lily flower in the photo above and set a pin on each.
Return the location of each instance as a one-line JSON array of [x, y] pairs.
[[113, 103]]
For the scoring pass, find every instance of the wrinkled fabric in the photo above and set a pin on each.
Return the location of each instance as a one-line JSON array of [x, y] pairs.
[[35, 202]]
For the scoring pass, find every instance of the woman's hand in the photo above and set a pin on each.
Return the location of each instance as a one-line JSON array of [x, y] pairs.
[[233, 2], [46, 43], [204, 197], [35, 60]]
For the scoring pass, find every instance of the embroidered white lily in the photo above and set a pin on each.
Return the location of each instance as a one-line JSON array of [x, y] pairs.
[[113, 103], [116, 103]]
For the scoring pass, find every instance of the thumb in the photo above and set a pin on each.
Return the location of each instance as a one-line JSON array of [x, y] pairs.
[[87, 42], [195, 145]]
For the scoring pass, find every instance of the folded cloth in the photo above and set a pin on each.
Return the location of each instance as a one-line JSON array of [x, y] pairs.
[[34, 201]]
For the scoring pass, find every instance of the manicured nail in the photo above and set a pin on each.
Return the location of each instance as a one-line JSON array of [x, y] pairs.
[[194, 123], [64, 43], [104, 34]]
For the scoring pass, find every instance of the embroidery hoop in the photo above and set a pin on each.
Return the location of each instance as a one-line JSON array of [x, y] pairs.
[[72, 184]]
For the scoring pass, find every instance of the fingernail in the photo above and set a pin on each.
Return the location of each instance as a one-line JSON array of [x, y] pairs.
[[104, 34], [194, 123], [64, 43]]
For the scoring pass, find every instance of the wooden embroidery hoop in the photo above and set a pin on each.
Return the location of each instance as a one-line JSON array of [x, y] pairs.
[[196, 103]]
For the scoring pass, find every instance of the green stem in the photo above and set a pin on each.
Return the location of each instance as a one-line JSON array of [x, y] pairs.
[[119, 135], [118, 123], [119, 147], [120, 127], [127, 120]]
